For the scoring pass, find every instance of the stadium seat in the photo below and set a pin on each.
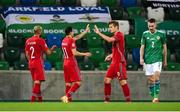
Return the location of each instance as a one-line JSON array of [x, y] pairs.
[[156, 13], [94, 41], [104, 65], [68, 2], [98, 55], [20, 65], [28, 2], [110, 3], [15, 41], [174, 13], [56, 56], [177, 54], [86, 66], [116, 13], [7, 2], [124, 26], [59, 66], [140, 26], [11, 54], [131, 67], [47, 2], [4, 65], [47, 66], [173, 42], [128, 3], [134, 12], [172, 66], [88, 3], [2, 26], [1, 40], [132, 41], [54, 39], [136, 55]]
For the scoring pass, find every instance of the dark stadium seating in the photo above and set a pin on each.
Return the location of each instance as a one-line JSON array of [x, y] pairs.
[[132, 41], [11, 54], [2, 26], [104, 65], [98, 55], [134, 12], [132, 67], [56, 56], [28, 2], [110, 3], [4, 65], [128, 3], [174, 13], [173, 66], [94, 41], [54, 39], [20, 65], [68, 2], [47, 2], [59, 66], [47, 66], [86, 65], [7, 2], [116, 13], [15, 40]]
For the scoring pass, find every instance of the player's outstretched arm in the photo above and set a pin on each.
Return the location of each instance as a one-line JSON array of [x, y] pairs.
[[77, 53], [49, 51], [82, 34], [105, 37], [142, 55], [165, 55]]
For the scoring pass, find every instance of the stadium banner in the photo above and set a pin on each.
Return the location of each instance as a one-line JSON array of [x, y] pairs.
[[26, 30], [46, 15], [164, 3]]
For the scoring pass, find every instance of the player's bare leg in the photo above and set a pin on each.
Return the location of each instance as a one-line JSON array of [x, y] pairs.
[[107, 89]]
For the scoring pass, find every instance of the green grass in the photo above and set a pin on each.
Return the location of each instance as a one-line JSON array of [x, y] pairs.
[[89, 106]]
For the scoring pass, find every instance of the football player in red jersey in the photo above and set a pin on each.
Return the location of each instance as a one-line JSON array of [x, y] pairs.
[[34, 49], [71, 69], [117, 68]]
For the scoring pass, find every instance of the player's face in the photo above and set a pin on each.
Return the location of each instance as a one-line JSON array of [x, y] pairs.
[[152, 26], [112, 28], [72, 33]]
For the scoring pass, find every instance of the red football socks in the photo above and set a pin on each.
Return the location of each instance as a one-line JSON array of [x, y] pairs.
[[36, 92], [67, 89], [72, 89], [107, 92], [126, 92]]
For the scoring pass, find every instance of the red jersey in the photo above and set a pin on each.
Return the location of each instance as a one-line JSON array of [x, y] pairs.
[[118, 48], [35, 46], [68, 44]]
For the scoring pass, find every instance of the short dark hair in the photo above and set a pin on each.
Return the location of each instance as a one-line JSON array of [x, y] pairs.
[[68, 30], [152, 20], [115, 23]]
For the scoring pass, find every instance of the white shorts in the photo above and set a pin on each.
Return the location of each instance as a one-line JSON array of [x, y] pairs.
[[150, 69]]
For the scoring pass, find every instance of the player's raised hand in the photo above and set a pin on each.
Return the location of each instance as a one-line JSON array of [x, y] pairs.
[[96, 30], [88, 54], [87, 28]]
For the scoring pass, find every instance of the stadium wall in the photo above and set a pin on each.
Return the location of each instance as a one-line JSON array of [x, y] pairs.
[[16, 85]]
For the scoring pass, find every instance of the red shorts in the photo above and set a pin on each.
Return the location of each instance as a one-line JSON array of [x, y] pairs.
[[71, 72], [114, 69], [37, 71]]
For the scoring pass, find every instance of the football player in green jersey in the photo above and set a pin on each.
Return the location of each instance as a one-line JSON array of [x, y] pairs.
[[153, 53]]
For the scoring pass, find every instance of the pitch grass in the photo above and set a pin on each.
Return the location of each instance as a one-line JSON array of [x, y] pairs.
[[89, 106]]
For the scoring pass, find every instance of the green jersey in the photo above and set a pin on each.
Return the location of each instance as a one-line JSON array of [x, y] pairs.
[[153, 43]]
